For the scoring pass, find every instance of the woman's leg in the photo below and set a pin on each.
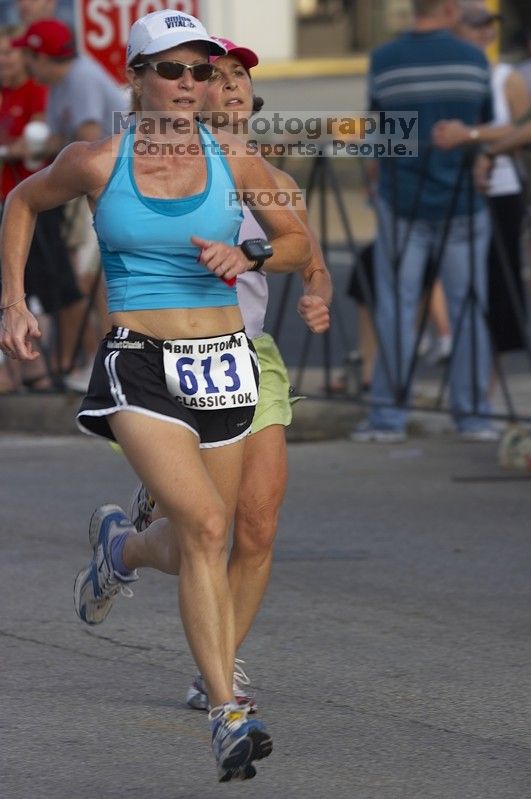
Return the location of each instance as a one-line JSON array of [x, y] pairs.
[[262, 489], [197, 494], [439, 310], [367, 345]]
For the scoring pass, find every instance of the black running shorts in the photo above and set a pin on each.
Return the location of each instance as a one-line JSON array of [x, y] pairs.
[[128, 374]]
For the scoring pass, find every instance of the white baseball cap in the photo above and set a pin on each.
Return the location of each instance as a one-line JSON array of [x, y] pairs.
[[161, 30]]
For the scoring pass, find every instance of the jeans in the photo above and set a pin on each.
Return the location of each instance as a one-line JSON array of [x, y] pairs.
[[471, 363]]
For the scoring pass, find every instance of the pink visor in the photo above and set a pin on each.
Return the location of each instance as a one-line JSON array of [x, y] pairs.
[[247, 58]]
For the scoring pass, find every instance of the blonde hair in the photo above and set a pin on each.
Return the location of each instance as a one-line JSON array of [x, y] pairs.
[[135, 105]]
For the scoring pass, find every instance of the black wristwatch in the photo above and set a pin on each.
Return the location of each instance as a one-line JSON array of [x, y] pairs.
[[257, 250]]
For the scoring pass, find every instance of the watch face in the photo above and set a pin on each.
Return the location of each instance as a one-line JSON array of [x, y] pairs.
[[256, 249]]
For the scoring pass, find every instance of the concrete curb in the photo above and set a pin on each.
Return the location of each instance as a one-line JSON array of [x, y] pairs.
[[51, 414], [322, 420], [314, 419], [302, 68], [54, 414]]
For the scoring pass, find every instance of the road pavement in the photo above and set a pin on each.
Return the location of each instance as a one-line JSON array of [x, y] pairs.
[[391, 658]]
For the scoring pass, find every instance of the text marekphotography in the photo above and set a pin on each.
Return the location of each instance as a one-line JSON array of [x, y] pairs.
[[370, 135]]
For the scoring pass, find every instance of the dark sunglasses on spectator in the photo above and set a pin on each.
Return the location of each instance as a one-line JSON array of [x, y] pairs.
[[173, 70]]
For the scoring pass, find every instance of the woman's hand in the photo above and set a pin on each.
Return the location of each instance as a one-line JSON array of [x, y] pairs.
[[315, 312], [18, 327], [449, 133], [224, 261]]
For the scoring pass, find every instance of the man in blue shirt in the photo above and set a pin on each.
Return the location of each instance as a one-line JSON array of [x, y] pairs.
[[425, 205]]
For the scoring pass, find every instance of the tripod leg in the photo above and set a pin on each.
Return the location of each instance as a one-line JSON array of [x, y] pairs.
[[303, 361], [288, 280]]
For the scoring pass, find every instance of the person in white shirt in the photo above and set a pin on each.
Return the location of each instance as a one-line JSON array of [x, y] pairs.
[[507, 307]]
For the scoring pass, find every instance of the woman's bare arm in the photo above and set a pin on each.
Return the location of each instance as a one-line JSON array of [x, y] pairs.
[[313, 305]]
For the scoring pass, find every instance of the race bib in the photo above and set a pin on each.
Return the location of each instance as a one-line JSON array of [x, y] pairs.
[[210, 373]]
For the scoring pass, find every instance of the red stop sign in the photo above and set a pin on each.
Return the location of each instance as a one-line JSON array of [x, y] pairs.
[[103, 27]]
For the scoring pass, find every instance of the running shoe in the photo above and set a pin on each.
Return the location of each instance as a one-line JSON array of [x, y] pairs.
[[441, 351], [141, 507], [365, 432], [197, 696], [97, 586], [480, 435], [237, 741]]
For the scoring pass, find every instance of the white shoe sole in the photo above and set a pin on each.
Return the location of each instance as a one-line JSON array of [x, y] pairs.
[[378, 437]]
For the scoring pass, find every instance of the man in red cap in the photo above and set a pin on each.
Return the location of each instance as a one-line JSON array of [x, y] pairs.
[[81, 102], [82, 96], [51, 282]]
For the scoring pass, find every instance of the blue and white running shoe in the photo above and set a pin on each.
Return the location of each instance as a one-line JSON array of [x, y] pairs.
[[97, 586], [237, 741]]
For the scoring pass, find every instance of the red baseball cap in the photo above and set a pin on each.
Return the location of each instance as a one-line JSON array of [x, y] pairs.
[[247, 57], [49, 36]]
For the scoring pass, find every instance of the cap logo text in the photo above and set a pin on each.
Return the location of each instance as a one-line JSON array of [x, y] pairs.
[[179, 21]]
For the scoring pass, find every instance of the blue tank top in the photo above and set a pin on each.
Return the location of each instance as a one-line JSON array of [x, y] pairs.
[[148, 259]]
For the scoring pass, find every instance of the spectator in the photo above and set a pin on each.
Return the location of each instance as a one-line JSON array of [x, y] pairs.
[[507, 202], [516, 138], [17, 93], [52, 238], [49, 277], [83, 98], [433, 72], [81, 104]]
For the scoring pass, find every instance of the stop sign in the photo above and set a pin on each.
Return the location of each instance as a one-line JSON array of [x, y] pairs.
[[103, 27]]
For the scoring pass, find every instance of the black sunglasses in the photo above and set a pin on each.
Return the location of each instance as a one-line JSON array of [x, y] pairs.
[[173, 70]]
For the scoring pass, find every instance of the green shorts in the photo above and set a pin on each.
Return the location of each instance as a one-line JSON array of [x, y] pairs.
[[274, 406]]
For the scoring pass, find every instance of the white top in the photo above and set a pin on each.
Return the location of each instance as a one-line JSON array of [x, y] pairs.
[[252, 289], [504, 176]]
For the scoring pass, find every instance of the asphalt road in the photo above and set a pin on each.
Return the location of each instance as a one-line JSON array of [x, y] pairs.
[[391, 658]]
